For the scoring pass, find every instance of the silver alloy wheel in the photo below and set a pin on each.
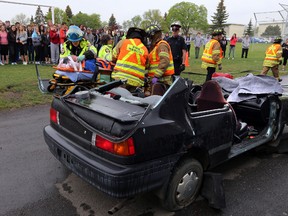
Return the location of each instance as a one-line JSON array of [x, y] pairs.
[[187, 186]]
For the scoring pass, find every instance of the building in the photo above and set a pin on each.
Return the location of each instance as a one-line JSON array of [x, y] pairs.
[[238, 29]]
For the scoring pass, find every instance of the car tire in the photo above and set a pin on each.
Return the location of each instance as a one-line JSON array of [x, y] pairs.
[[184, 185]]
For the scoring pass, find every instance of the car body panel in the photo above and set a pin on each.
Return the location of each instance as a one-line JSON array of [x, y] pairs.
[[164, 132]]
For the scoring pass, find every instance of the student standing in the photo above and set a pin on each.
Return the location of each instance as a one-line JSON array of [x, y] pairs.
[[223, 43], [22, 42], [198, 41], [233, 41], [12, 45], [4, 45], [245, 46]]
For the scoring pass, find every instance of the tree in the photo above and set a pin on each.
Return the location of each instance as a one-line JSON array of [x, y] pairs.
[[21, 18], [112, 23], [272, 31], [152, 17], [189, 15], [134, 22], [59, 15], [31, 20], [249, 29], [68, 12], [39, 16], [220, 17], [127, 24], [93, 21]]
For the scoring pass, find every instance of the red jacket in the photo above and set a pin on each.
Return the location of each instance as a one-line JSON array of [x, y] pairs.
[[62, 35], [233, 41], [54, 37]]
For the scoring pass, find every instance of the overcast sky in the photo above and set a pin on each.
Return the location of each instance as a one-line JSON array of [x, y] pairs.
[[240, 12]]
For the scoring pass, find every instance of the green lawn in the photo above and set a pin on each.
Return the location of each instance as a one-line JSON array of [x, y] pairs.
[[19, 88], [237, 67]]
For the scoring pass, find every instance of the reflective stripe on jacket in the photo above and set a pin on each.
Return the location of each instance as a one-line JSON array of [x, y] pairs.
[[209, 51], [273, 55], [131, 62], [154, 60], [84, 46]]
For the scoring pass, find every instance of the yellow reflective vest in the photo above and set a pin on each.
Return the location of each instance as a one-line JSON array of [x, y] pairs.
[[131, 61], [105, 52], [209, 51], [83, 47], [273, 55]]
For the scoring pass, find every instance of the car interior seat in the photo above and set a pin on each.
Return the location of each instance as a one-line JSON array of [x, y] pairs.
[[211, 97]]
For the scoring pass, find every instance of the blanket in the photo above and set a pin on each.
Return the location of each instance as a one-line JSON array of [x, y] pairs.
[[248, 87]]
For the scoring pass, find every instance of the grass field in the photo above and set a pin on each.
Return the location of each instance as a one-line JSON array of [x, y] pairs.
[[19, 87]]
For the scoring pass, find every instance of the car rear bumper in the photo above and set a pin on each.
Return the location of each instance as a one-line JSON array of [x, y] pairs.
[[117, 180]]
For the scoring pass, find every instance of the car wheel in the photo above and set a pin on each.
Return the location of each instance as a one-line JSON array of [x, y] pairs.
[[184, 185]]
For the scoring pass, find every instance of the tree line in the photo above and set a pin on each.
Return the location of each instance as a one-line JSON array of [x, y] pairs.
[[190, 15]]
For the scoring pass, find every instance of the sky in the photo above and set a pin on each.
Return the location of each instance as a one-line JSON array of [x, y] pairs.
[[240, 12]]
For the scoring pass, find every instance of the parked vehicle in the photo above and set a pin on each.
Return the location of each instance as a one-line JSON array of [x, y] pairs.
[[259, 40], [125, 145]]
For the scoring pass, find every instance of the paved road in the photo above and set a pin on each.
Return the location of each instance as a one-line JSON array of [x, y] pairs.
[[33, 182]]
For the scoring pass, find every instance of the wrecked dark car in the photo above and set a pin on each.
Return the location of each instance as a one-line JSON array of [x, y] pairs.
[[126, 145]]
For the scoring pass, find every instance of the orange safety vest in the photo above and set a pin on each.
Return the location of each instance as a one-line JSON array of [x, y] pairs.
[[131, 62], [207, 59], [271, 55], [154, 61]]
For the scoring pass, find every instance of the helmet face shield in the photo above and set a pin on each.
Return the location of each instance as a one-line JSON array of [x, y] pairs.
[[74, 34]]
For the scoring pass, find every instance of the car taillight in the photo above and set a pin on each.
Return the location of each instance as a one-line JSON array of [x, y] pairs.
[[54, 116], [125, 148]]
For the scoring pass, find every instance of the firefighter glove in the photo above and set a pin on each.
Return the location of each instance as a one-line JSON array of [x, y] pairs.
[[154, 80], [182, 67]]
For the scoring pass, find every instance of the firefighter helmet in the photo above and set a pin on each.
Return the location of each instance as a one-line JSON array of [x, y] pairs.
[[152, 30]]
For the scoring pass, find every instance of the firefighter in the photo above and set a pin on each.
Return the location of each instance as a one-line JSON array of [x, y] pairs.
[[161, 66], [212, 54], [78, 46], [273, 59], [131, 57]]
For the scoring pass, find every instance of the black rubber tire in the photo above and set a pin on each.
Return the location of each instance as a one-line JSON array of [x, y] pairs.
[[184, 168]]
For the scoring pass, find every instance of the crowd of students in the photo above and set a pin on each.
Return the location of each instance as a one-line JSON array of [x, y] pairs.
[[37, 44]]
